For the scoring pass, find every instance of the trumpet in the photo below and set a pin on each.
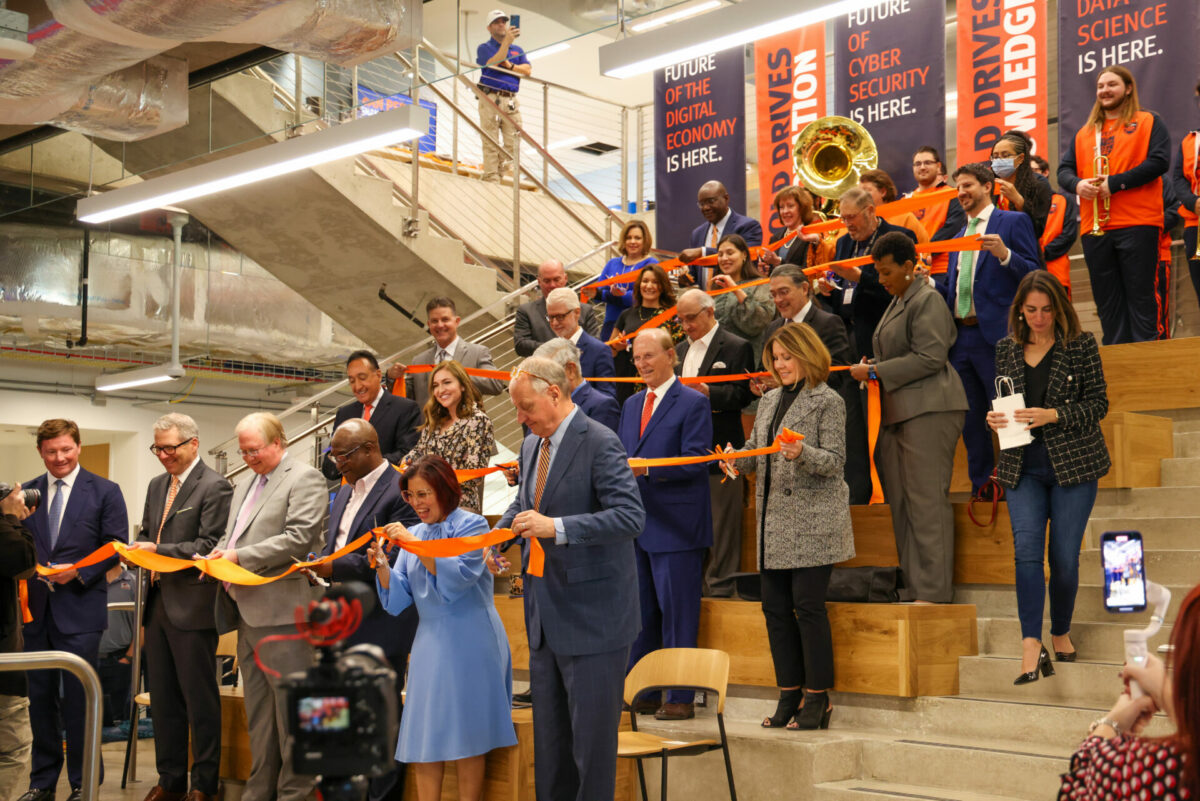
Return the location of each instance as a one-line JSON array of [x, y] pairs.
[[1099, 173]]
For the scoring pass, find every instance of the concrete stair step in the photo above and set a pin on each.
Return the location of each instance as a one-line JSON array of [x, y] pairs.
[[1181, 472], [1103, 642], [1009, 769], [1159, 533], [1149, 502], [1183, 426], [994, 600], [1087, 684], [1187, 443], [873, 789], [1162, 566]]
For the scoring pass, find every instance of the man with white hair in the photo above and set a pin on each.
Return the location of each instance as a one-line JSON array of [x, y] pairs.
[[595, 358], [530, 326], [277, 515], [668, 419], [600, 406], [711, 349], [187, 509], [578, 497]]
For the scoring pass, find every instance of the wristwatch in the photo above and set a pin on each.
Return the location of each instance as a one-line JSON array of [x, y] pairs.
[[1109, 722]]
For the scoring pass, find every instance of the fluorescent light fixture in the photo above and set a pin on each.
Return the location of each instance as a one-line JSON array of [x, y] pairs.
[[722, 29], [574, 141], [665, 19], [548, 50], [340, 141], [138, 377]]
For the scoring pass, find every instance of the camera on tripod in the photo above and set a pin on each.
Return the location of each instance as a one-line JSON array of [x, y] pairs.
[[31, 497], [343, 712]]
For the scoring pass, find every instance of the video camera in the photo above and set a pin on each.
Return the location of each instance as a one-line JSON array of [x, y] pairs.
[[342, 713]]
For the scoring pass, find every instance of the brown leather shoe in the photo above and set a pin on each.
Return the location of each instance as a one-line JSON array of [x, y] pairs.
[[670, 711], [157, 793], [196, 795]]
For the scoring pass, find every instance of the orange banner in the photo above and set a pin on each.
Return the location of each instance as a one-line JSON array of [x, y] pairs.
[[1002, 75], [789, 81]]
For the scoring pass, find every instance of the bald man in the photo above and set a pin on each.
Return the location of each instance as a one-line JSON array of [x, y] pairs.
[[719, 220], [370, 498], [531, 326]]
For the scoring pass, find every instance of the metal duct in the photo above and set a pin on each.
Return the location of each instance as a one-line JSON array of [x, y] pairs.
[[144, 100]]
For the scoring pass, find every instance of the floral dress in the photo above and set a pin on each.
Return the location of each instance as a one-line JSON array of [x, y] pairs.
[[630, 320], [466, 444]]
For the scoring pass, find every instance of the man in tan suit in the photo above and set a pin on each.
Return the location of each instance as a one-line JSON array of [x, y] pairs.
[[278, 512]]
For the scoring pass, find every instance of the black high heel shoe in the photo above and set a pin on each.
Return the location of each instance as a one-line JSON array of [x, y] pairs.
[[814, 714], [1065, 656], [785, 710], [1044, 665]]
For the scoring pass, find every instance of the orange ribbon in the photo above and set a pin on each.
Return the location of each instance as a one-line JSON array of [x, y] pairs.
[[23, 599]]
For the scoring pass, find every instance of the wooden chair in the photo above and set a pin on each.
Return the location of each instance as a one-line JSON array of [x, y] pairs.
[[701, 669]]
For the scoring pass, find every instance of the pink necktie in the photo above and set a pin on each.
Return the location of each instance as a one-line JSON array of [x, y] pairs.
[[243, 517]]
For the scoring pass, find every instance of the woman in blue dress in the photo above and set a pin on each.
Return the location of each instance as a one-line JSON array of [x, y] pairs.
[[633, 243], [459, 687]]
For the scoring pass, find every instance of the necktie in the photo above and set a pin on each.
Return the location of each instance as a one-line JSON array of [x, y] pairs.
[[442, 356], [243, 518], [966, 275], [542, 472], [647, 410], [367, 409], [171, 493], [56, 509], [712, 238]]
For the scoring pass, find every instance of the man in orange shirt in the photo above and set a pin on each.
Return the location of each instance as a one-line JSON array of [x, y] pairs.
[[944, 220], [1186, 178], [1124, 201]]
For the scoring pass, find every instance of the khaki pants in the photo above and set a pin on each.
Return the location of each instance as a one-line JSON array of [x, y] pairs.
[[494, 161], [16, 744]]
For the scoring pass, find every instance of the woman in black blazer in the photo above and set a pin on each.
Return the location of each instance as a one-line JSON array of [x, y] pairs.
[[1057, 368]]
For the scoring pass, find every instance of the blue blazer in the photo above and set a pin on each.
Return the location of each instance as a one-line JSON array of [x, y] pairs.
[[586, 601], [996, 285], [678, 510], [600, 406], [596, 361], [383, 505], [747, 228], [95, 514]]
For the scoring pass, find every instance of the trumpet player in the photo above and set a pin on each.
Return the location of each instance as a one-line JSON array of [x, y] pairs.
[[1115, 165], [1185, 176]]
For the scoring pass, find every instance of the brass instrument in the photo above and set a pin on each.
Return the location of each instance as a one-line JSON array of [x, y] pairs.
[[1099, 172], [830, 154]]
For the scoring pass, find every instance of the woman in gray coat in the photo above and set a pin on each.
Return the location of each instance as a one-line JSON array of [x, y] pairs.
[[923, 408], [804, 521]]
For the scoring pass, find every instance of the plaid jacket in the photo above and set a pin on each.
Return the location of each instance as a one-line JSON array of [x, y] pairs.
[[1078, 391]]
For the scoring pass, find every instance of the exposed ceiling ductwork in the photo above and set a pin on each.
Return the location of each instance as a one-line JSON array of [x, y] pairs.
[[95, 70]]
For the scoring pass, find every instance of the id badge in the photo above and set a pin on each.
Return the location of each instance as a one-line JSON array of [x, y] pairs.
[[848, 294]]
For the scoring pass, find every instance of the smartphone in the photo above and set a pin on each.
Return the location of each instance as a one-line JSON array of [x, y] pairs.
[[514, 21], [1124, 561]]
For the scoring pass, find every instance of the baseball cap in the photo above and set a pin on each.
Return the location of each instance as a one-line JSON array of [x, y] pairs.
[[495, 15]]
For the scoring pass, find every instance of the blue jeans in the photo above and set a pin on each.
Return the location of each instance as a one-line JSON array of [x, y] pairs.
[[1036, 500]]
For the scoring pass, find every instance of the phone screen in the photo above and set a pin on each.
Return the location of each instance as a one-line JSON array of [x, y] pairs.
[[1124, 571]]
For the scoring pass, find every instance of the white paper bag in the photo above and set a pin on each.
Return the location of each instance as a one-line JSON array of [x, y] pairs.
[[1014, 434]]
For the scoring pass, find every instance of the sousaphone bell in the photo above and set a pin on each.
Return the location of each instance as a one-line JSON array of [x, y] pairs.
[[831, 153]]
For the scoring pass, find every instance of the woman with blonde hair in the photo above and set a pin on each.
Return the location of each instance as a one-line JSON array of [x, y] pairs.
[[456, 428], [633, 243], [804, 528]]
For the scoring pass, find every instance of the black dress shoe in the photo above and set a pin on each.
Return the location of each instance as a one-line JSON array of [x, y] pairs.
[[76, 794], [1044, 665], [814, 714], [524, 699], [36, 794]]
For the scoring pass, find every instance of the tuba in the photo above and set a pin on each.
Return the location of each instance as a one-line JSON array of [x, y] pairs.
[[830, 154]]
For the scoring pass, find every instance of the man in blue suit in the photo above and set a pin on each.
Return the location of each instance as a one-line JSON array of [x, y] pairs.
[[370, 498], [578, 497], [980, 286], [669, 419], [719, 220], [600, 406], [79, 512], [595, 358]]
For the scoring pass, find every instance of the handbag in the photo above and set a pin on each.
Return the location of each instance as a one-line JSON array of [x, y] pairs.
[[874, 585]]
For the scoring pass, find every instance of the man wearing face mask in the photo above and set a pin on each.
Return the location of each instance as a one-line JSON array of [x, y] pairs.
[[1017, 186]]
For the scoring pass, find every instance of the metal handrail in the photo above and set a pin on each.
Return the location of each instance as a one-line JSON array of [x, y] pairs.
[[81, 669]]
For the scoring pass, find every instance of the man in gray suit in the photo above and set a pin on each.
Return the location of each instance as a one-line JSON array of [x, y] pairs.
[[277, 515], [531, 326], [577, 495], [443, 320], [187, 508]]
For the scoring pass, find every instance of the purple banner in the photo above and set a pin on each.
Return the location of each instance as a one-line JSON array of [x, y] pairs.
[[699, 136], [890, 76], [1156, 40]]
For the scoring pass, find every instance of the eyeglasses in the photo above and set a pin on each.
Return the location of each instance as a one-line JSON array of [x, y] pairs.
[[341, 457], [169, 450], [558, 318], [924, 163], [853, 217], [709, 201], [418, 495], [250, 454]]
